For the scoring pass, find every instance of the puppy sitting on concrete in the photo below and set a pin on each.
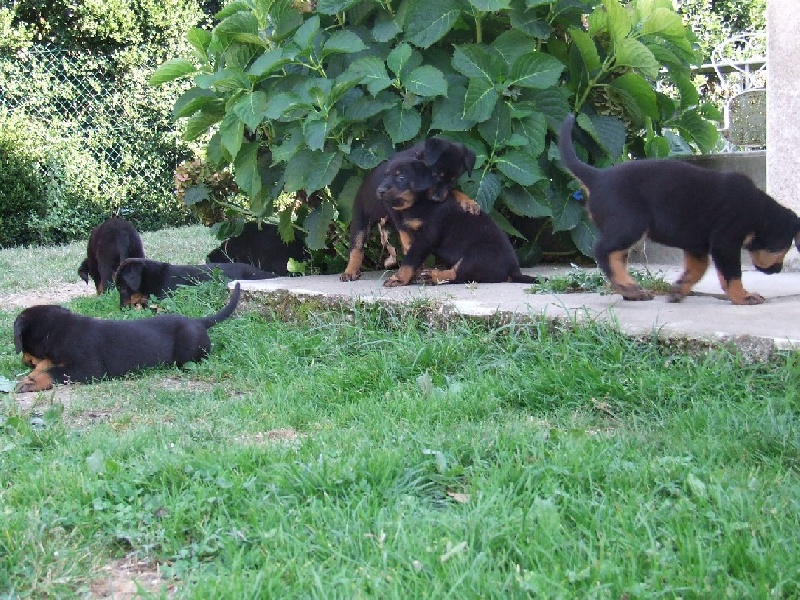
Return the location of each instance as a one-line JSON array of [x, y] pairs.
[[139, 278], [472, 246], [63, 347], [110, 243], [446, 160]]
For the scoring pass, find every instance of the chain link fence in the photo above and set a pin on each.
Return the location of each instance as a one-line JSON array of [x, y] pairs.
[[109, 111]]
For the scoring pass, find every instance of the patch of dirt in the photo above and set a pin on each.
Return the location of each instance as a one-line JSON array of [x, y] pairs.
[[130, 577], [60, 394], [50, 295]]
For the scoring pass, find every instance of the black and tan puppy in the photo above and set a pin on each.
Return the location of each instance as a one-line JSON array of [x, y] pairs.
[[110, 243], [472, 246], [447, 162], [139, 278], [684, 206], [63, 347], [261, 247]]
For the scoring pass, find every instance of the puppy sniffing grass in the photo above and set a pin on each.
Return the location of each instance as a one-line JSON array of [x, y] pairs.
[[703, 212]]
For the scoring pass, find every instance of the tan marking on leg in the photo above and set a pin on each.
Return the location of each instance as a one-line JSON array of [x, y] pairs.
[[739, 295], [405, 241], [403, 276], [466, 203], [693, 270], [621, 280], [415, 224], [99, 288], [353, 270], [37, 380]]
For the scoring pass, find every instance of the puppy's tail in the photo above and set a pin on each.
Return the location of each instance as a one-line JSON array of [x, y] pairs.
[[578, 168], [225, 312]]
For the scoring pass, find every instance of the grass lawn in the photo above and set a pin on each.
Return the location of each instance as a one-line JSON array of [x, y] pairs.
[[368, 455]]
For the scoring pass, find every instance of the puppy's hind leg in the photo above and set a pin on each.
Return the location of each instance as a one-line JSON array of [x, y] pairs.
[[614, 263], [694, 267]]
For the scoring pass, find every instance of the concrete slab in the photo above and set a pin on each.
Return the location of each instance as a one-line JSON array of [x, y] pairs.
[[705, 315]]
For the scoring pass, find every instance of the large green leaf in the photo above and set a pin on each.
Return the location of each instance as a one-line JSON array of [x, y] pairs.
[[343, 42], [536, 70], [480, 100], [172, 69], [316, 225], [324, 167], [398, 57], [251, 108], [199, 123], [448, 113], [521, 201], [632, 53], [426, 81], [534, 127], [490, 5], [529, 21], [199, 39], [567, 212], [497, 128], [225, 80], [246, 170], [373, 72], [305, 34], [428, 22], [385, 29], [279, 104], [664, 22], [232, 131], [315, 130], [520, 167], [694, 127], [402, 124], [512, 44], [619, 21], [607, 131], [332, 7], [485, 188], [584, 235], [587, 49], [267, 63], [638, 91], [479, 61], [193, 100], [366, 107]]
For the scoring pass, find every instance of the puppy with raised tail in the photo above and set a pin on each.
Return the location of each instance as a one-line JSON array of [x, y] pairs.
[[701, 211]]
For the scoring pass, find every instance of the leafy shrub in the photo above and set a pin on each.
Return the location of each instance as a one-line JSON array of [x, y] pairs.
[[21, 187], [49, 189], [303, 98]]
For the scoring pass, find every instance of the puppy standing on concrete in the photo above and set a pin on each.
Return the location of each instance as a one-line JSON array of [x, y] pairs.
[[447, 161], [110, 243], [261, 247], [63, 347], [684, 206], [139, 278], [472, 246]]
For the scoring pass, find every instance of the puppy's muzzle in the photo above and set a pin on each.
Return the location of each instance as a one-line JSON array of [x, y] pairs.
[[771, 270]]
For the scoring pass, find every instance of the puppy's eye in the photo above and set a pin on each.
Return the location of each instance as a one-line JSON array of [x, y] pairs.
[[401, 177]]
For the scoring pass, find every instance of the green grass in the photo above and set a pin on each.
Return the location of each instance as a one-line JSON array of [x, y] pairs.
[[368, 455], [581, 280]]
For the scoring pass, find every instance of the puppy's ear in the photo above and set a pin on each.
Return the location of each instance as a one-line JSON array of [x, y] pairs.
[[469, 160], [83, 270], [19, 329], [434, 148], [129, 273], [422, 177]]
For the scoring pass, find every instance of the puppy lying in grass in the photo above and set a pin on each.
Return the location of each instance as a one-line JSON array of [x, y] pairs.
[[63, 347], [139, 278]]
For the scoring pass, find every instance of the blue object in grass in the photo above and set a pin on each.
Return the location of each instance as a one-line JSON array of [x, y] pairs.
[[578, 195]]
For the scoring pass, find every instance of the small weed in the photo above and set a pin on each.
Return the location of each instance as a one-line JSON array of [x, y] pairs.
[[581, 280]]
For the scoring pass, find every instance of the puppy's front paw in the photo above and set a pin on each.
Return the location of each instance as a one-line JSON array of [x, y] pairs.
[[350, 276], [394, 281], [751, 299], [634, 293], [676, 295], [36, 381]]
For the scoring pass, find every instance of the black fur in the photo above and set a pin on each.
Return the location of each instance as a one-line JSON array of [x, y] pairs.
[[701, 211], [67, 348], [110, 243]]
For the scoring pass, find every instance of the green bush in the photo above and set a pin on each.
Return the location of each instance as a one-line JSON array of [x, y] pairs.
[[49, 187], [304, 98], [21, 186]]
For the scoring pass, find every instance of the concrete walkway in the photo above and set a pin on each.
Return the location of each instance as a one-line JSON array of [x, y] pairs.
[[705, 315]]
